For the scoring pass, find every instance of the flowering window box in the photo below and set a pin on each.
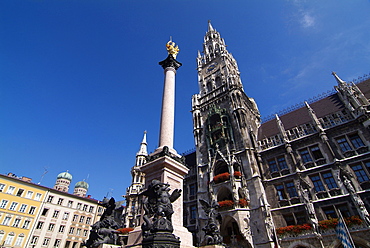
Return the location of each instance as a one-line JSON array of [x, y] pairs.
[[221, 177], [243, 203], [294, 230], [237, 174], [125, 230], [226, 204], [332, 223]]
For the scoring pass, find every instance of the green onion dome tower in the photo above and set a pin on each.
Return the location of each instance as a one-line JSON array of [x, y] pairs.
[[81, 188], [64, 179]]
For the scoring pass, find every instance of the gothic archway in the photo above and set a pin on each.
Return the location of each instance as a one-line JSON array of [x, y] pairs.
[[231, 234]]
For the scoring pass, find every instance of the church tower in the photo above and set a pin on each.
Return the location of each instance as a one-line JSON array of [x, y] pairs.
[[81, 188], [63, 181], [132, 211], [225, 123]]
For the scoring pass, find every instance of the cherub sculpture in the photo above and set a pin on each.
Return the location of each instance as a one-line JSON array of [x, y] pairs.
[[158, 207]]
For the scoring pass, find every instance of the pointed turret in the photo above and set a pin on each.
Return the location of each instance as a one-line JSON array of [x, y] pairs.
[[215, 65], [143, 146], [313, 116], [142, 153], [353, 101], [132, 215], [339, 80], [210, 28], [281, 128]]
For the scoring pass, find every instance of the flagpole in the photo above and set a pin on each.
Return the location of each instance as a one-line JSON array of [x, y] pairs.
[[347, 231]]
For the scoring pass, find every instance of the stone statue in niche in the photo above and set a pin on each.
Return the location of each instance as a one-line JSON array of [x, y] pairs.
[[212, 233], [105, 230], [357, 200], [310, 209], [158, 208]]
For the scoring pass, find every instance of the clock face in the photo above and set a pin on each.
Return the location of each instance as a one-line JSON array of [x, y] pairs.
[[212, 67]]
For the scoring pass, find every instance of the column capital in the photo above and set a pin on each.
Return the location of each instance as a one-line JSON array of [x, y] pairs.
[[170, 61]]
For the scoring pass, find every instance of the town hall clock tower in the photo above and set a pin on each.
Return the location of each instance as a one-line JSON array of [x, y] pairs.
[[225, 122]]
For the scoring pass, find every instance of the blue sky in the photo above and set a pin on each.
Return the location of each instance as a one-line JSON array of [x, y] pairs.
[[80, 80]]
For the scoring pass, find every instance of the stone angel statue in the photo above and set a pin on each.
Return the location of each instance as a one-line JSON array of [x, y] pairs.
[[212, 233]]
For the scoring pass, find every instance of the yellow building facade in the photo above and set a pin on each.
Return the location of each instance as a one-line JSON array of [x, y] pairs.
[[20, 204], [32, 215]]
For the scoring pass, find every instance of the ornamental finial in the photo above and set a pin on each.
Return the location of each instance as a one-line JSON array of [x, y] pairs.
[[171, 49]]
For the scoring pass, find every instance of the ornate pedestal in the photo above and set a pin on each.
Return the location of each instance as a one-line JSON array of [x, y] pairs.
[[161, 240], [170, 168], [166, 168]]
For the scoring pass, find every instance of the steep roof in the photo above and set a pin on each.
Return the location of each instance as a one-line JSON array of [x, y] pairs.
[[365, 87], [301, 116]]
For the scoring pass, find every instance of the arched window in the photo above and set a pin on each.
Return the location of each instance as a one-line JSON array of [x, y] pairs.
[[217, 49], [218, 81], [209, 86], [19, 240], [224, 194], [2, 233], [210, 50], [219, 129], [221, 167], [9, 239]]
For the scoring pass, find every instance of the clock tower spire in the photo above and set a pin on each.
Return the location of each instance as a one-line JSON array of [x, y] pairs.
[[226, 123]]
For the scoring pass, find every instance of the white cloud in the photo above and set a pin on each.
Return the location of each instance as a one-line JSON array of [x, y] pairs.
[[307, 20], [304, 17]]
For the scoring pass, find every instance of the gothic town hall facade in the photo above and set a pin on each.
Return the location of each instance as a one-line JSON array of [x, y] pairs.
[[279, 183]]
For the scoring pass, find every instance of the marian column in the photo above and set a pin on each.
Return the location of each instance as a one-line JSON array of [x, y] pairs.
[[164, 164], [170, 65]]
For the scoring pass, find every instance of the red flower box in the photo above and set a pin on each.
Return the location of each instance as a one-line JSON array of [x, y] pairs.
[[328, 224], [226, 203], [221, 177], [332, 223], [353, 220], [237, 174], [295, 229], [125, 230], [243, 203]]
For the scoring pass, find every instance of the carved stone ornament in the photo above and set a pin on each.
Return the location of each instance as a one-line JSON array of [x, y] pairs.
[[157, 227], [165, 152], [170, 61], [212, 233], [360, 205]]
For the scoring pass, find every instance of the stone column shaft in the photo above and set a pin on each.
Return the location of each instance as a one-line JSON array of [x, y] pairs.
[[168, 109]]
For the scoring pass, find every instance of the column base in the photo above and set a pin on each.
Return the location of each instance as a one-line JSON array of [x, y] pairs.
[[161, 240]]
